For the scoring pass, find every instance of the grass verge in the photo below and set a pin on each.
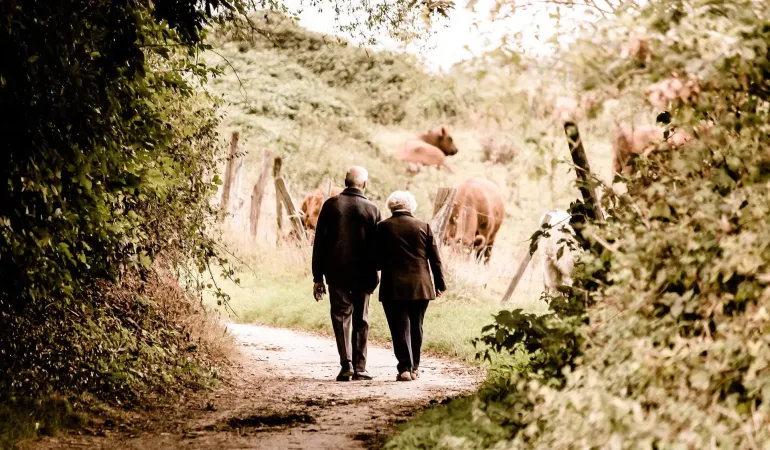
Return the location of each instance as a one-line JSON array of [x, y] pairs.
[[472, 422], [277, 292]]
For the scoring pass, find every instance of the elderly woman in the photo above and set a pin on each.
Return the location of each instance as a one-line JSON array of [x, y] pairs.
[[407, 255]]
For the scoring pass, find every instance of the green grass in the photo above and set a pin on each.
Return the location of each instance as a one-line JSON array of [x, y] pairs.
[[278, 292], [472, 422]]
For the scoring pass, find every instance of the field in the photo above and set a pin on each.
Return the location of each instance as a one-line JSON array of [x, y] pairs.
[[301, 102]]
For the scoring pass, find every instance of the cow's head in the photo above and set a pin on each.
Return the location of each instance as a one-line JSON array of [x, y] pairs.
[[440, 137]]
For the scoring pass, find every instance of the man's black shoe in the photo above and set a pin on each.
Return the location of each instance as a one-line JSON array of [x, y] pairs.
[[346, 372]]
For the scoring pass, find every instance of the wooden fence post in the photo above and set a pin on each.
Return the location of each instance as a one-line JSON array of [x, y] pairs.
[[584, 181], [258, 193], [328, 192], [278, 205], [585, 184], [229, 172], [283, 195], [525, 259], [442, 210]]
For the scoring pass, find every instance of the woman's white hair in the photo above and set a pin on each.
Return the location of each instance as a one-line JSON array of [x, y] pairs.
[[401, 201]]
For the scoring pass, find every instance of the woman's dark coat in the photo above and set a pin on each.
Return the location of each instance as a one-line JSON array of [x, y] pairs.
[[406, 254]]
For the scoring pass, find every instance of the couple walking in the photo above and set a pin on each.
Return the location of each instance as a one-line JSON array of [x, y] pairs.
[[351, 244]]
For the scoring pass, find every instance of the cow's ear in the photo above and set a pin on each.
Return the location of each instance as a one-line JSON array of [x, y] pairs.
[[443, 131]]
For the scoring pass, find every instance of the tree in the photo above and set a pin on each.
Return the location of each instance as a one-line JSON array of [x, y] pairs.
[[107, 144], [670, 346]]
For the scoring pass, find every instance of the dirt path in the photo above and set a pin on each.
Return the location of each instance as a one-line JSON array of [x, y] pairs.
[[283, 396]]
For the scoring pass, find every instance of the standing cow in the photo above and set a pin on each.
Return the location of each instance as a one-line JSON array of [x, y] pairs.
[[428, 149], [558, 268], [311, 208], [476, 217], [640, 140]]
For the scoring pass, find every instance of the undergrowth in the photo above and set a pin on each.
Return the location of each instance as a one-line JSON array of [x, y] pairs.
[[104, 199], [661, 342]]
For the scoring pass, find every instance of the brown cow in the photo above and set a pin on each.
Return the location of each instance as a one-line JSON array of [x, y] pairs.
[[571, 109], [640, 140], [429, 149], [311, 208], [476, 217], [663, 93]]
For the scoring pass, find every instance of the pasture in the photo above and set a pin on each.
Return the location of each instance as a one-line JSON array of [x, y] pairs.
[[319, 129]]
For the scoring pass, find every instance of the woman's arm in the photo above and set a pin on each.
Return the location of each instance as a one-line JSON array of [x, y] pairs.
[[434, 259]]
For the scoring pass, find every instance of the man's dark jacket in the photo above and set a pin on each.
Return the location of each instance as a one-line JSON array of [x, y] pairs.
[[406, 255], [343, 250]]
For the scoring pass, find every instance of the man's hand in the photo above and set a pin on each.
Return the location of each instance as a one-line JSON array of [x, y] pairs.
[[439, 294], [319, 290]]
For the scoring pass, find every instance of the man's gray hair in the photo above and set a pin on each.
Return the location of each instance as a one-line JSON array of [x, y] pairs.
[[401, 201], [356, 176]]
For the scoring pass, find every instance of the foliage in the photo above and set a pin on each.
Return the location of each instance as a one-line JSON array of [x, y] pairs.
[[669, 309], [21, 417], [389, 86], [107, 152]]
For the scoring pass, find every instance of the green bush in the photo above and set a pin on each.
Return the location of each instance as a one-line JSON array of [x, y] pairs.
[[106, 154], [662, 342]]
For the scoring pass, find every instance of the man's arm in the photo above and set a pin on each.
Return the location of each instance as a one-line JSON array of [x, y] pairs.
[[375, 241], [435, 263]]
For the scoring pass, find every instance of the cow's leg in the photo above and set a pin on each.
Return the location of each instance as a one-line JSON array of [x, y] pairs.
[[487, 254], [550, 275], [565, 266], [478, 247]]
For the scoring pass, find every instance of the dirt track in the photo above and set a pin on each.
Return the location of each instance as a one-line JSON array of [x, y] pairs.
[[283, 396]]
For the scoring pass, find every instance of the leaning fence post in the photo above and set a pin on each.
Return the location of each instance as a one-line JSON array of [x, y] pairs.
[[230, 168], [259, 192], [442, 210], [282, 193], [328, 192], [584, 181], [278, 205], [525, 259]]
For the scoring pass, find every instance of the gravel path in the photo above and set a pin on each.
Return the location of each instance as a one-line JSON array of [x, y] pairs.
[[282, 395]]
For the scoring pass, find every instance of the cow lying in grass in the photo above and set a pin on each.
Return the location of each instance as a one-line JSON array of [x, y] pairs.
[[428, 149]]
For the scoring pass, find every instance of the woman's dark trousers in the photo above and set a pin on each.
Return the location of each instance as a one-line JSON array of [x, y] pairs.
[[405, 323]]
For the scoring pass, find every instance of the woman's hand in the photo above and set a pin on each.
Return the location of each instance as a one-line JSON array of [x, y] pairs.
[[439, 294]]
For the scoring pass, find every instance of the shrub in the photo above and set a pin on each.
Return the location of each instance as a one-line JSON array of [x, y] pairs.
[[106, 156], [390, 87], [661, 342], [496, 152]]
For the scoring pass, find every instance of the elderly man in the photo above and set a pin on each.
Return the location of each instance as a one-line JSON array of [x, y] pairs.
[[343, 252]]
